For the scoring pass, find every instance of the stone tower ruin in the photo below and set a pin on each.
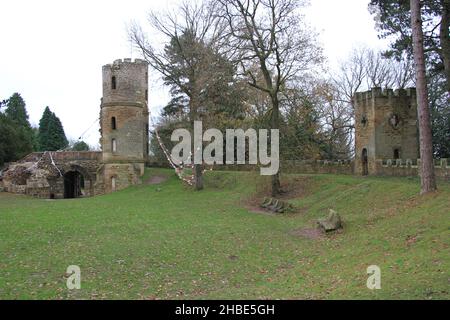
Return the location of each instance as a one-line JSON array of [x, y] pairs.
[[385, 128], [124, 119]]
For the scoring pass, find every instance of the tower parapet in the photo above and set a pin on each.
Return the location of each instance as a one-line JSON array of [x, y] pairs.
[[384, 93], [125, 81]]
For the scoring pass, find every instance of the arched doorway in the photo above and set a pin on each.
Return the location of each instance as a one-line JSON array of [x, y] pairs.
[[365, 162], [73, 185]]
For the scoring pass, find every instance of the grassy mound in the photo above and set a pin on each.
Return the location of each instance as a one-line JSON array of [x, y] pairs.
[[165, 241]]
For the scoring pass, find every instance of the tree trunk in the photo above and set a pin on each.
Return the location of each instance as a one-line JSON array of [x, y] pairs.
[[427, 178], [276, 185], [198, 177], [445, 40], [196, 168]]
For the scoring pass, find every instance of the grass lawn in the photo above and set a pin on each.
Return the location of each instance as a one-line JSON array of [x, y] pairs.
[[166, 241]]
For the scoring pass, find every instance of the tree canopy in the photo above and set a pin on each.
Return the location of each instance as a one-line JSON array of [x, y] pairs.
[[51, 136], [16, 134], [80, 146], [393, 20]]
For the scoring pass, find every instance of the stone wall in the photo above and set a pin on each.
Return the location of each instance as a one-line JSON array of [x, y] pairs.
[[129, 133], [43, 174], [411, 168], [287, 166], [389, 167], [317, 166], [124, 175]]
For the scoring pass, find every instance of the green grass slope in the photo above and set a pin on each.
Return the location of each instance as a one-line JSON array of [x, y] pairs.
[[168, 242]]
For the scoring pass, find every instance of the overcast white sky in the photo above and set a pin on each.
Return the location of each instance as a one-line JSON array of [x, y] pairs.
[[52, 51]]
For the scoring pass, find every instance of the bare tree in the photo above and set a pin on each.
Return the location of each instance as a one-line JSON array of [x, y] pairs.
[[388, 73], [403, 72], [270, 35], [187, 60], [378, 70], [337, 119], [366, 68], [427, 177], [351, 76]]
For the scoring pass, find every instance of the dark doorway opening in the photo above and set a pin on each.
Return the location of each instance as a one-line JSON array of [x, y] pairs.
[[396, 154], [365, 162], [73, 185]]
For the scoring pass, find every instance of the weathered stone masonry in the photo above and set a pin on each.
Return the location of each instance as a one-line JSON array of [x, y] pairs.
[[50, 175], [124, 141], [386, 127], [124, 123]]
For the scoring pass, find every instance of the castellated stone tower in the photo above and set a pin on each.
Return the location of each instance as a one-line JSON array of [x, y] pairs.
[[124, 122], [385, 127]]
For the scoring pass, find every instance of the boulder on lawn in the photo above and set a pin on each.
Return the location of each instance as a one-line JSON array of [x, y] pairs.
[[332, 223]]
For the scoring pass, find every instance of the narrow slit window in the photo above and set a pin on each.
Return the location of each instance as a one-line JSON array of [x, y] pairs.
[[113, 83], [113, 123], [114, 145], [113, 183]]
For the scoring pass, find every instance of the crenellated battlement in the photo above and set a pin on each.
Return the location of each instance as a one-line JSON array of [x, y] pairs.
[[384, 93], [127, 61], [438, 163], [410, 168], [383, 167]]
